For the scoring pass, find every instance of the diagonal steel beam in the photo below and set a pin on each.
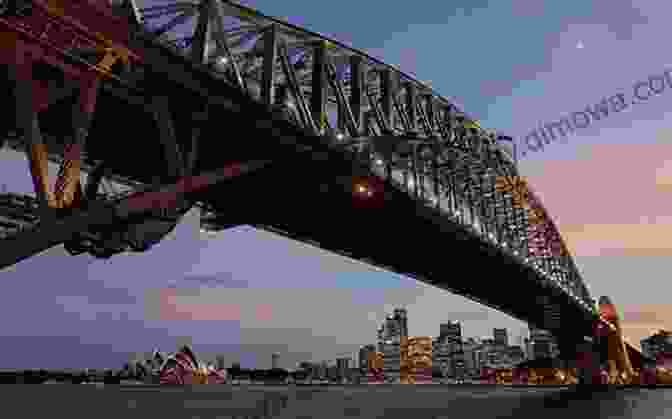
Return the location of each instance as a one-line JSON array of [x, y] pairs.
[[300, 101], [177, 20], [270, 41], [168, 137], [318, 90], [219, 34], [200, 39], [56, 232], [344, 112]]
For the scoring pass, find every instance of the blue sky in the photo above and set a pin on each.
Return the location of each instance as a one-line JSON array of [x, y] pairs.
[[513, 64]]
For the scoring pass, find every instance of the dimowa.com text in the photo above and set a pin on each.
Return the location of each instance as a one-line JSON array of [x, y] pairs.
[[550, 132]]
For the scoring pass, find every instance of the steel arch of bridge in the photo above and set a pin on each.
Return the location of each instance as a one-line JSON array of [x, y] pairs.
[[398, 126], [406, 132]]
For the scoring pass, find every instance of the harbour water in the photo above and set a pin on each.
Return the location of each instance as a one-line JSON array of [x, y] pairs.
[[380, 401]]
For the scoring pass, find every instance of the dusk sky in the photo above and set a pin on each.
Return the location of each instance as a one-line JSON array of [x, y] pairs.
[[514, 65]]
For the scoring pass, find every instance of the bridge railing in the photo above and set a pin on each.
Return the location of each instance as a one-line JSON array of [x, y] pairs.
[[410, 135]]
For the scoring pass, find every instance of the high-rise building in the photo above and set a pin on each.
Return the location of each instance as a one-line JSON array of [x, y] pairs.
[[275, 359], [343, 366], [417, 359], [450, 331], [501, 337], [392, 360], [401, 316], [380, 333], [658, 344], [543, 344], [364, 355], [219, 361]]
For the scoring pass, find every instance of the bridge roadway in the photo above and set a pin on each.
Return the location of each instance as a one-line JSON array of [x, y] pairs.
[[305, 192]]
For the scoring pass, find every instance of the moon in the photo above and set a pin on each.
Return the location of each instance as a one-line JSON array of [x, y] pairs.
[[579, 45]]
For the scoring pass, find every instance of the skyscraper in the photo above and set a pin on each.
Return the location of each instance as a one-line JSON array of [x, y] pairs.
[[543, 343], [450, 332], [401, 316], [659, 343], [501, 337], [364, 355]]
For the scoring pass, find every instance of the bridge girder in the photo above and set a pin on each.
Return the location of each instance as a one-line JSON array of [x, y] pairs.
[[404, 132]]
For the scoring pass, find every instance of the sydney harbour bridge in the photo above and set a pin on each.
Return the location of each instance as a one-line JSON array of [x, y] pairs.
[[255, 121]]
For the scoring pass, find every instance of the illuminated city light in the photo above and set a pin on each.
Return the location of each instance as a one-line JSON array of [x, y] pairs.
[[379, 162], [339, 136], [222, 60]]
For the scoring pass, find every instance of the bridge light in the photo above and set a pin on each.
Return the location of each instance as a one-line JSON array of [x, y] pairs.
[[222, 61], [379, 162], [339, 136], [458, 213]]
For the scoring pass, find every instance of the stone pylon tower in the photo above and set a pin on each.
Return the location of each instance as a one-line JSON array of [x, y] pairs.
[[620, 367]]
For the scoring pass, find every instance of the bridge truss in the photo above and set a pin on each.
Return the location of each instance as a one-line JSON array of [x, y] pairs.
[[402, 130]]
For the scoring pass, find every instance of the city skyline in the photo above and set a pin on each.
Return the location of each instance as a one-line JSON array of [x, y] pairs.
[[249, 293]]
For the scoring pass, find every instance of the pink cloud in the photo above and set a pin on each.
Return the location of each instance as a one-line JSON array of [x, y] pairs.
[[615, 203], [618, 239], [170, 308], [264, 311], [173, 307]]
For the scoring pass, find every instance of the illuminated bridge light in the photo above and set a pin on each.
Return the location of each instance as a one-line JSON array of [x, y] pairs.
[[339, 136], [379, 162]]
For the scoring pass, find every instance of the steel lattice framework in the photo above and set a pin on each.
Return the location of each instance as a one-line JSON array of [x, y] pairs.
[[407, 133]]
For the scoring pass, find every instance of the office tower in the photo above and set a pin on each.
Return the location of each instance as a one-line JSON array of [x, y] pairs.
[[220, 362], [450, 332], [391, 359], [657, 345], [343, 367], [391, 328], [364, 355], [275, 358], [401, 316], [416, 354], [380, 334], [543, 343], [501, 337]]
